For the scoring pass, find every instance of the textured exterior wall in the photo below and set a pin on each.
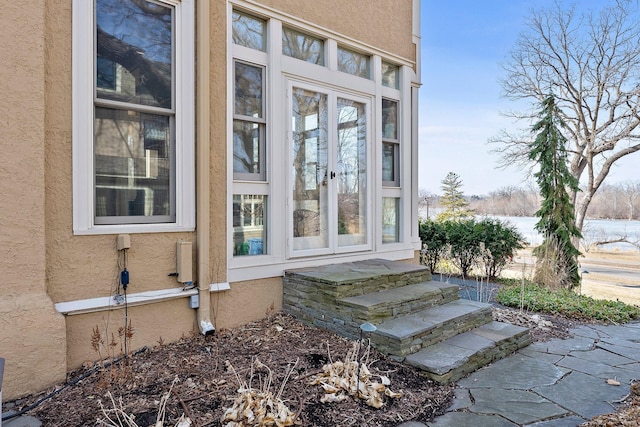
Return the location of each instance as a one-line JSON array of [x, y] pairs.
[[364, 20], [246, 302], [152, 323], [32, 334]]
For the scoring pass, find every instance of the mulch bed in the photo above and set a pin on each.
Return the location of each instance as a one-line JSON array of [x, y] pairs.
[[206, 385], [205, 372]]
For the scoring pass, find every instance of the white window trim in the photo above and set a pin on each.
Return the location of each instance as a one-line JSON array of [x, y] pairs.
[[82, 129], [280, 70]]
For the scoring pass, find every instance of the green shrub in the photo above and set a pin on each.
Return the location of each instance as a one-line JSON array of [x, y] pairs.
[[464, 244], [434, 242], [499, 240], [488, 243]]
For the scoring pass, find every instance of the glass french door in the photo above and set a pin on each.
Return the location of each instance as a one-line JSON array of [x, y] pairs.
[[329, 184]]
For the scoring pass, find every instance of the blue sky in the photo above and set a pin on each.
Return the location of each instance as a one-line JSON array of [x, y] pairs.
[[463, 44]]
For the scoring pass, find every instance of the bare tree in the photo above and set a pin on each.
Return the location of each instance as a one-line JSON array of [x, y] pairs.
[[427, 203], [632, 192], [591, 62]]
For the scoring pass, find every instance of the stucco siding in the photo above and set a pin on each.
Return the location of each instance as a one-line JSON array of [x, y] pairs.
[[152, 325], [32, 336], [246, 302]]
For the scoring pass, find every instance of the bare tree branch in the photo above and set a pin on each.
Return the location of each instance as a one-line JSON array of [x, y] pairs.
[[591, 63]]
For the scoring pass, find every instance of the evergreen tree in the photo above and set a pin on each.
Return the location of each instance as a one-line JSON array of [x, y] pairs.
[[452, 200], [557, 254]]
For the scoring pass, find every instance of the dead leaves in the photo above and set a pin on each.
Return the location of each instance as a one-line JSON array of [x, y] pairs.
[[258, 407], [353, 378], [117, 417]]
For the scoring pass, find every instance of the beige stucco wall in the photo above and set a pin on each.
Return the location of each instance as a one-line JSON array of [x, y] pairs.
[[366, 21], [246, 302], [32, 334], [152, 323]]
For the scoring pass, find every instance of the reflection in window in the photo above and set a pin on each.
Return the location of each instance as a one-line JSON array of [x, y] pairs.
[[390, 75], [301, 46], [390, 143], [249, 224], [388, 163], [132, 163], [138, 36], [134, 152], [390, 223], [249, 31], [353, 63], [309, 117], [106, 74], [352, 173], [389, 119], [249, 122]]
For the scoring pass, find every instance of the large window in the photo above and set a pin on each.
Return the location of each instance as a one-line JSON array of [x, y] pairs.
[[250, 188], [319, 145], [133, 143]]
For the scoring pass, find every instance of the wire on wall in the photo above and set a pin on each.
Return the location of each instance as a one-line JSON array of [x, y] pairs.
[[123, 283]]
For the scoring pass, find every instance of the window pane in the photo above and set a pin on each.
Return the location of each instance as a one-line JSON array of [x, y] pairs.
[[390, 75], [133, 153], [249, 31], [249, 224], [247, 138], [389, 156], [390, 223], [389, 119], [309, 117], [353, 62], [135, 38], [302, 46], [249, 90], [352, 173]]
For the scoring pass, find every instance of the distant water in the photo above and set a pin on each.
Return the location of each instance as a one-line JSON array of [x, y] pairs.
[[593, 230]]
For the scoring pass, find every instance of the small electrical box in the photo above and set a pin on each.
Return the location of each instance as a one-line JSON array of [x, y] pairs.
[[194, 301], [124, 242], [184, 262]]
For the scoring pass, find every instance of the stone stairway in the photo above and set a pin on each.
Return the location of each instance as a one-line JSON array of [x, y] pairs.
[[419, 321]]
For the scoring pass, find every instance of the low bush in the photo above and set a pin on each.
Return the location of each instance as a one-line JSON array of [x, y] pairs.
[[526, 295], [488, 245]]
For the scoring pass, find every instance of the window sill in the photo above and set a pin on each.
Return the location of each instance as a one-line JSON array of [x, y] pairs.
[[133, 228]]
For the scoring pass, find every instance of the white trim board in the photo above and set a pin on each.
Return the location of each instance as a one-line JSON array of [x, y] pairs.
[[91, 305]]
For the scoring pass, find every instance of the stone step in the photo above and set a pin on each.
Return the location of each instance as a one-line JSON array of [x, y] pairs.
[[457, 356], [408, 334], [353, 278], [378, 306]]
